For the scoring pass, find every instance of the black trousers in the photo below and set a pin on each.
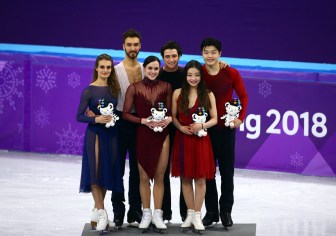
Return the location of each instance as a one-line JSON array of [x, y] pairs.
[[127, 132], [223, 144]]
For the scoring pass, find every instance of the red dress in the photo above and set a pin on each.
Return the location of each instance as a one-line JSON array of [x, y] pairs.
[[192, 156], [145, 95]]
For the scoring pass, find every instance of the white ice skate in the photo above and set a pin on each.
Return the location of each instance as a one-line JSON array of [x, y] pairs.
[[187, 222], [145, 220], [94, 218], [197, 222], [157, 221], [103, 223], [112, 226]]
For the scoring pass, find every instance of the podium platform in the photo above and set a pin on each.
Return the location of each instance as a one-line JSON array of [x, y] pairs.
[[175, 229]]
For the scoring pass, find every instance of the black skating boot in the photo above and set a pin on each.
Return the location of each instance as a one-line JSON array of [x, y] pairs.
[[210, 217], [226, 219], [119, 218], [167, 215], [134, 216]]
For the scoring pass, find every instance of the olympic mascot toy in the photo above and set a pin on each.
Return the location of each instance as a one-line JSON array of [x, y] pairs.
[[232, 112], [199, 117], [158, 115], [107, 111]]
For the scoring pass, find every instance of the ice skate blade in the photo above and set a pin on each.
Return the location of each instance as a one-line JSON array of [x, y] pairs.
[[196, 231], [185, 229], [133, 225], [160, 231], [226, 227], [104, 231], [144, 230], [210, 226], [114, 228]]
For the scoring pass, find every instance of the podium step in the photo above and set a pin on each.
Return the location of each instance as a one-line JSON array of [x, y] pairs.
[[175, 229]]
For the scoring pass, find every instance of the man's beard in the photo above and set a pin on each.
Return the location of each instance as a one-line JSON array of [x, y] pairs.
[[132, 54]]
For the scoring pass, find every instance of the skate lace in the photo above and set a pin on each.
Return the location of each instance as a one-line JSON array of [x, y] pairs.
[[101, 216], [158, 216], [198, 219], [145, 218], [158, 220]]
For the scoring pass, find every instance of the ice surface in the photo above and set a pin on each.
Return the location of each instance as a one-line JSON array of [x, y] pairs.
[[40, 196]]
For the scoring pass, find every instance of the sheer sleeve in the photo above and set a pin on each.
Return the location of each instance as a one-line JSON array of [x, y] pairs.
[[169, 99], [129, 102], [84, 102]]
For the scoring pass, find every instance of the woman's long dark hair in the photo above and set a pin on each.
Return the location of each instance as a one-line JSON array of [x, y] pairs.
[[202, 91], [112, 80]]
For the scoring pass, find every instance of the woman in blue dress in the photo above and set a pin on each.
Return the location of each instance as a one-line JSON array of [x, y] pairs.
[[100, 165]]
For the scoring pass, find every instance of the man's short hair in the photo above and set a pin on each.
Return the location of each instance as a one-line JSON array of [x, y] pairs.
[[171, 45], [131, 33], [211, 42]]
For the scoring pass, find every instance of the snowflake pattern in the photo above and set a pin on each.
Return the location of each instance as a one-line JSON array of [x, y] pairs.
[[69, 141], [20, 128], [2, 64], [45, 79], [42, 117], [265, 88], [73, 80], [11, 84], [296, 160]]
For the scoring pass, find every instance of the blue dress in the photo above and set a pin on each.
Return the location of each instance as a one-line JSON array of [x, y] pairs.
[[109, 173]]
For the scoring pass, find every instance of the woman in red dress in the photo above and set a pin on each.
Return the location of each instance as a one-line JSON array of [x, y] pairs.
[[152, 148], [192, 157]]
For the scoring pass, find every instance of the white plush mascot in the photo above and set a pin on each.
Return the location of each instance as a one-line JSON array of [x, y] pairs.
[[107, 111], [200, 117], [158, 115], [232, 112]]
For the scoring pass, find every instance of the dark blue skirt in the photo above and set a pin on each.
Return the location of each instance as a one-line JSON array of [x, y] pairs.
[[109, 174]]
